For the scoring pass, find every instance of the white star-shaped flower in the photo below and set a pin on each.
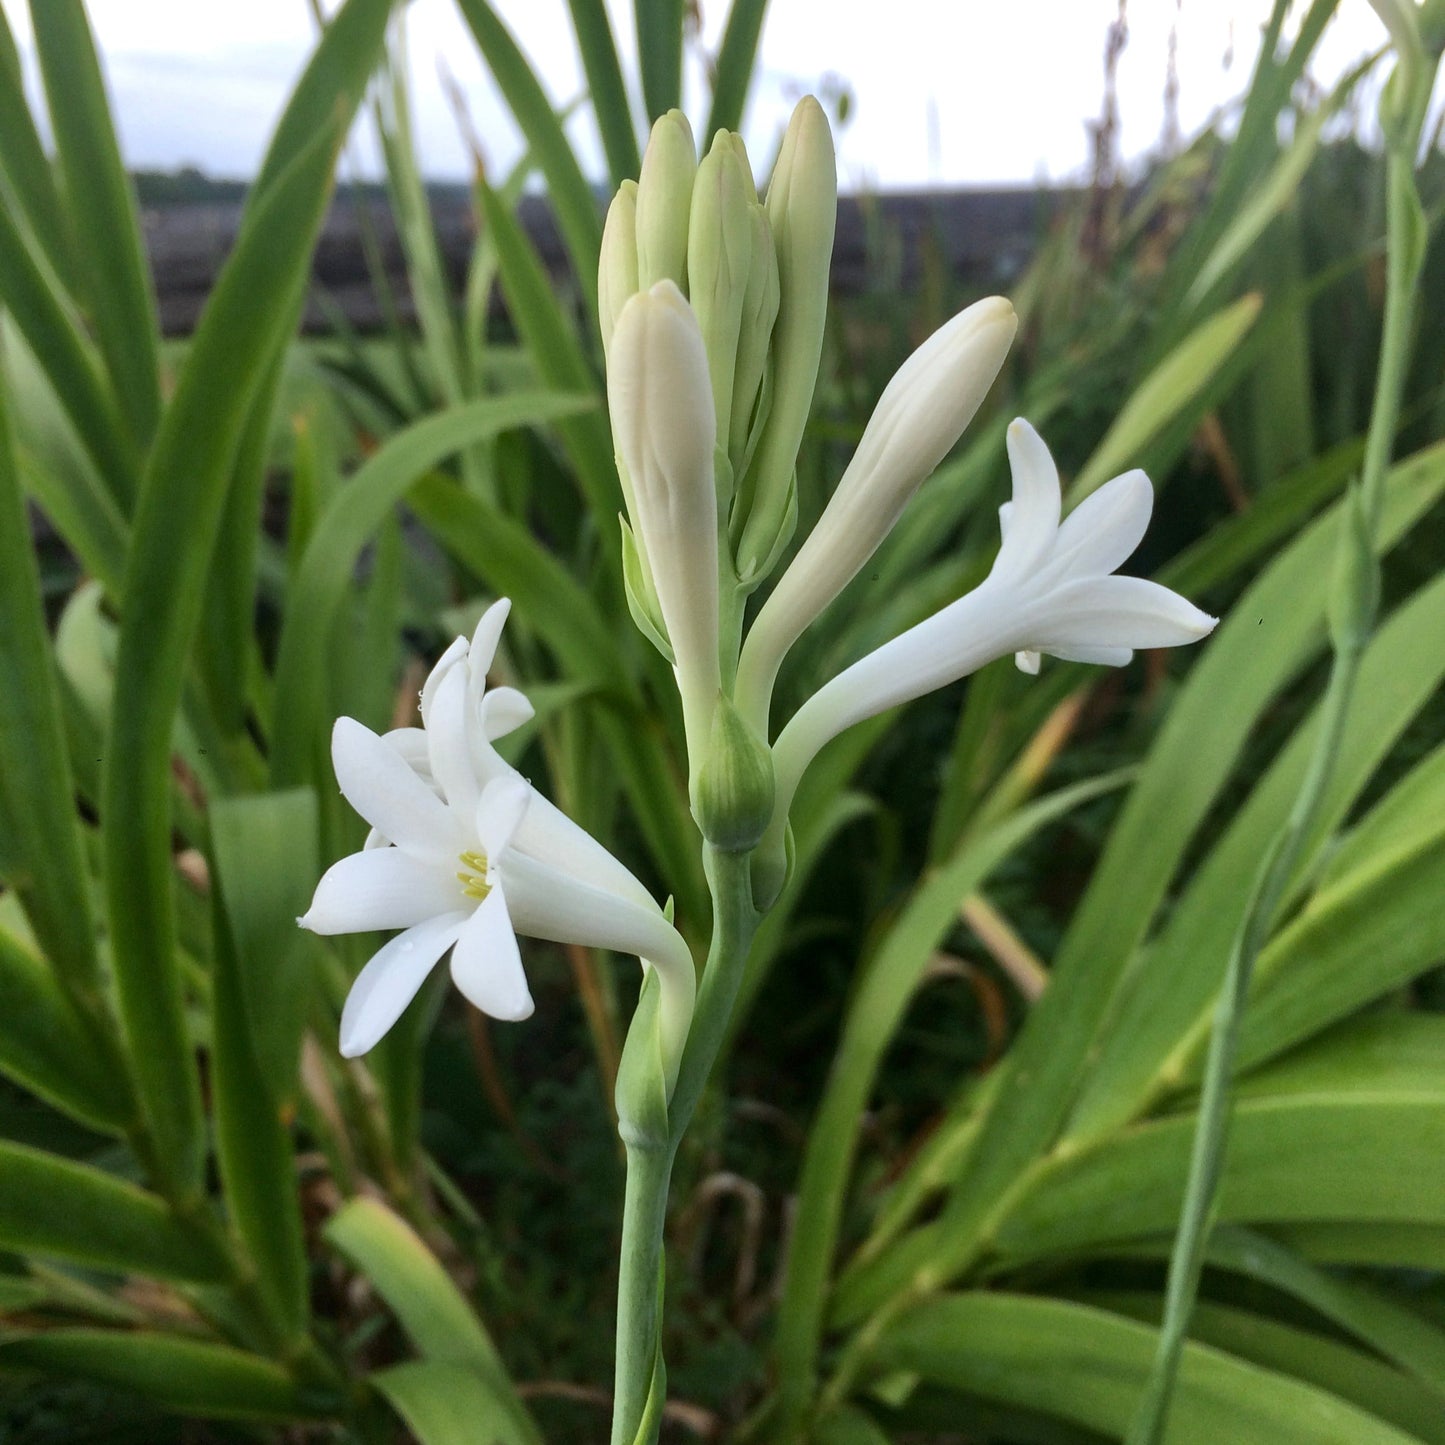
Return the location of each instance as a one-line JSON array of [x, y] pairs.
[[465, 855]]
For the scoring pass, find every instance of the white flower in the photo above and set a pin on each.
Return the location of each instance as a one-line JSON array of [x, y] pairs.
[[465, 854], [1051, 590], [659, 394], [923, 410]]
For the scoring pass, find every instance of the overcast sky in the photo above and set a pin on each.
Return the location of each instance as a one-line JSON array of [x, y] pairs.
[[944, 91]]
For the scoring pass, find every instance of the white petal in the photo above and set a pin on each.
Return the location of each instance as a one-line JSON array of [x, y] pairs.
[[499, 810], [411, 744], [503, 710], [446, 733], [1116, 612], [1105, 656], [1101, 533], [390, 981], [547, 834], [456, 650], [381, 888], [486, 965], [546, 903], [483, 649], [1028, 662], [1034, 519], [381, 787]]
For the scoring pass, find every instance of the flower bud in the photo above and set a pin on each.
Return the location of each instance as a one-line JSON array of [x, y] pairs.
[[617, 269], [802, 210], [732, 795], [921, 414], [664, 197], [755, 337], [643, 1084], [660, 397], [719, 251]]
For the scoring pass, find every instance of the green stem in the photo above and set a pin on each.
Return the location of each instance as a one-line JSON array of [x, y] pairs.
[[649, 1163], [1211, 1134]]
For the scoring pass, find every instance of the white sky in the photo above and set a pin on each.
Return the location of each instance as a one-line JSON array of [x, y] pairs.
[[944, 91]]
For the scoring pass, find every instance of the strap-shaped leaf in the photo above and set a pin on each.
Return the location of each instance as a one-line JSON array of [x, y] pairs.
[[1159, 1025], [50, 1206], [439, 1322], [248, 313], [40, 850], [341, 532], [735, 61], [47, 1050], [448, 1404], [188, 1376], [610, 105], [104, 221], [572, 198], [1087, 1366], [659, 53]]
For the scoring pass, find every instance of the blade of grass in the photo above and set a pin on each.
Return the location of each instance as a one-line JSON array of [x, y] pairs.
[[736, 61], [598, 48], [659, 53]]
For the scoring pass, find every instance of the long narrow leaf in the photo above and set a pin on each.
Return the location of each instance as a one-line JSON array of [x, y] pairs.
[[610, 105]]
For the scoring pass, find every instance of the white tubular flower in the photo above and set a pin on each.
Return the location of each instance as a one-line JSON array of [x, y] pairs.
[[1051, 590], [465, 855], [921, 414], [663, 423]]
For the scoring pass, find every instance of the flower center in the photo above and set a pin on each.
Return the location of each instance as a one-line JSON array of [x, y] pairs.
[[473, 878]]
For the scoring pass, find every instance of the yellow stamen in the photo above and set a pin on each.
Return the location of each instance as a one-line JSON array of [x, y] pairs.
[[474, 880]]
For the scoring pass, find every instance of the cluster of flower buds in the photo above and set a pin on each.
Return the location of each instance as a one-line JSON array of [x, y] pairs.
[[712, 307]]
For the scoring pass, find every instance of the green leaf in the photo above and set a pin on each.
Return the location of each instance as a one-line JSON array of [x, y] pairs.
[[659, 53], [1160, 1026], [65, 355], [24, 165], [265, 848], [187, 1376], [736, 59], [1299, 1354], [49, 1206], [891, 977], [1347, 1149], [344, 528], [40, 848], [576, 207], [555, 351], [105, 225], [1088, 1366], [249, 310], [438, 1321], [598, 48], [1167, 392], [448, 1404]]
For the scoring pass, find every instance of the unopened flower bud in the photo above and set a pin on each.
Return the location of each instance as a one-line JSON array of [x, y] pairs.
[[732, 795], [617, 270], [755, 336], [664, 198], [719, 251], [802, 210], [921, 414], [660, 397]]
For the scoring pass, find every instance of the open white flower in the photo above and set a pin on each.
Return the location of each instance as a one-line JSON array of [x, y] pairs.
[[465, 855], [1051, 589]]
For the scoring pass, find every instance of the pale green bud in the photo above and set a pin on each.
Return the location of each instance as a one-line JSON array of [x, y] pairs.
[[617, 269], [732, 794], [719, 251], [1355, 586], [664, 198], [755, 336], [802, 210]]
